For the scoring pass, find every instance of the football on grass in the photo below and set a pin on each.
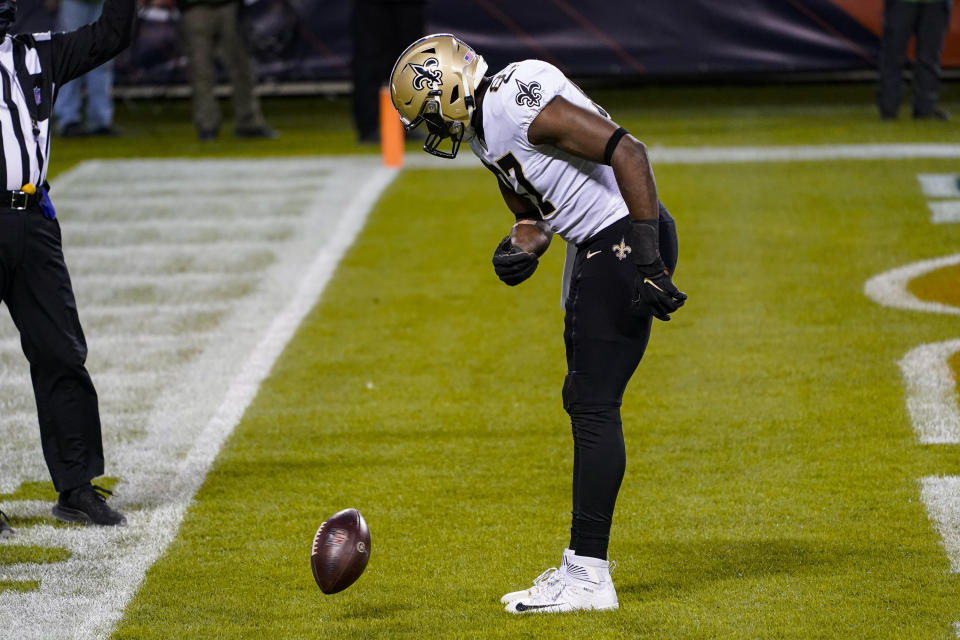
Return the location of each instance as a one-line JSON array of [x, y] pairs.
[[341, 550]]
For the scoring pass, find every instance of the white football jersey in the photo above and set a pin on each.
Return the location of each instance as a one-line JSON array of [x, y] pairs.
[[576, 197]]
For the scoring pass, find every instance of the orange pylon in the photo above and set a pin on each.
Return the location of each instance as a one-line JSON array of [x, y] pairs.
[[391, 131]]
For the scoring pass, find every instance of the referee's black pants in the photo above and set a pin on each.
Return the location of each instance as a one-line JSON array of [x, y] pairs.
[[604, 342], [35, 285]]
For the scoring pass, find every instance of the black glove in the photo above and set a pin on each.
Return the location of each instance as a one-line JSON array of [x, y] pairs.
[[654, 293], [513, 265]]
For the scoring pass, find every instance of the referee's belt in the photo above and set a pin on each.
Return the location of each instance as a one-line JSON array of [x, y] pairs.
[[19, 200]]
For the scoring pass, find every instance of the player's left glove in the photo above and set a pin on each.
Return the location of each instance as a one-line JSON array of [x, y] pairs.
[[654, 293], [512, 264]]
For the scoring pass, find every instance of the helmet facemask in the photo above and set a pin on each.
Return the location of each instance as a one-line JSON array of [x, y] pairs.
[[438, 129]]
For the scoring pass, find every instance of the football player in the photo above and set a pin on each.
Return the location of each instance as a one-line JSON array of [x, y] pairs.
[[563, 167]]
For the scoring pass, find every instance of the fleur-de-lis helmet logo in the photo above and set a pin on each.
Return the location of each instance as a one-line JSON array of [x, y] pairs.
[[426, 73]]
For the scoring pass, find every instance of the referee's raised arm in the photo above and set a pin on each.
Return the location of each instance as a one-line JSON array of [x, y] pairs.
[[76, 52]]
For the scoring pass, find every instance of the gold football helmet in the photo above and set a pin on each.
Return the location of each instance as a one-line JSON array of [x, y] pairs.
[[434, 81]]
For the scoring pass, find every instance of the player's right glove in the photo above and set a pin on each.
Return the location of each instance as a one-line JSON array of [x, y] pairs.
[[654, 293], [512, 264]]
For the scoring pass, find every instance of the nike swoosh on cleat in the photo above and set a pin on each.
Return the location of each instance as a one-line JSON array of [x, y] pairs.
[[590, 254], [532, 607]]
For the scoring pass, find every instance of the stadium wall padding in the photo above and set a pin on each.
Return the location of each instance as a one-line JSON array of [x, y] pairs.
[[309, 40]]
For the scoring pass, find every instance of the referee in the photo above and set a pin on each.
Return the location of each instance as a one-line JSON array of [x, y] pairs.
[[34, 281]]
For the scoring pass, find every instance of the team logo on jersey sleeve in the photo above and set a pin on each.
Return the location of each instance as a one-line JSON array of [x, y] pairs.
[[426, 73], [529, 94]]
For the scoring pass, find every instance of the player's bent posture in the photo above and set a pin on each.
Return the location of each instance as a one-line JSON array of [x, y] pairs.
[[563, 166]]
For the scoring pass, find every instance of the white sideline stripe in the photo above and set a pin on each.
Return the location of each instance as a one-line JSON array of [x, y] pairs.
[[890, 287], [192, 225], [167, 280], [12, 344], [167, 436], [945, 211], [27, 509], [112, 379], [941, 495], [20, 418], [193, 469], [133, 309], [170, 189], [169, 250], [932, 392], [727, 155], [940, 185]]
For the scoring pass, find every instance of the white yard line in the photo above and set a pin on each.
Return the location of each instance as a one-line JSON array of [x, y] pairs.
[[940, 185], [944, 211], [941, 495], [932, 399], [191, 407]]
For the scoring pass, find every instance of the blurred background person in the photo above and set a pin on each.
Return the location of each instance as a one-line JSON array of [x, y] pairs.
[[212, 28], [902, 20], [96, 86], [381, 30]]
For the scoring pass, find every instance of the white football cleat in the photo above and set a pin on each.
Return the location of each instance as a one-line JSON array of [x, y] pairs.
[[543, 581], [584, 584]]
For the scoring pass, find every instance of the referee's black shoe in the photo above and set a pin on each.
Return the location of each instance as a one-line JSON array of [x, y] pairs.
[[5, 529], [87, 505]]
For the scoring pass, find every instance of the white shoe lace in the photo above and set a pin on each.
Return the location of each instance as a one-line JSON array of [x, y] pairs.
[[546, 577]]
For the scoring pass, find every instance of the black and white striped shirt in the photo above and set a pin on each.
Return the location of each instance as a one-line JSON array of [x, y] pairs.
[[32, 70]]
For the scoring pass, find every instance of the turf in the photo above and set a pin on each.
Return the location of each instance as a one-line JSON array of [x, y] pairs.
[[772, 481], [671, 115], [771, 489]]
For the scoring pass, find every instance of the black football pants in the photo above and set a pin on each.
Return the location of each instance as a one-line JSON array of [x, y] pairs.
[[605, 342], [35, 285]]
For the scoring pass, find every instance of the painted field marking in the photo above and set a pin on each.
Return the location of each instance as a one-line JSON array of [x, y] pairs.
[[931, 388], [932, 399], [176, 369], [940, 185], [941, 495], [890, 287], [168, 202], [944, 211]]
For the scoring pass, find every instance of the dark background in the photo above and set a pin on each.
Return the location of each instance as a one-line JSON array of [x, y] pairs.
[[308, 41]]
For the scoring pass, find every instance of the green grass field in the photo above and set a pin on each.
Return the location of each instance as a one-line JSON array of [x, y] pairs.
[[772, 486]]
